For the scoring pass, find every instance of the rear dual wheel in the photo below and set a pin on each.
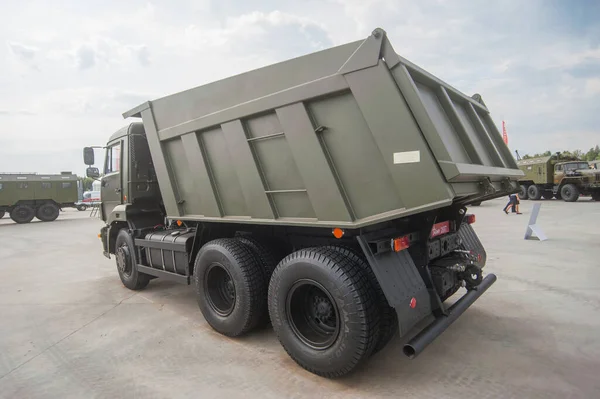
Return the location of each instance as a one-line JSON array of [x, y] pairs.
[[231, 286], [324, 311], [47, 212]]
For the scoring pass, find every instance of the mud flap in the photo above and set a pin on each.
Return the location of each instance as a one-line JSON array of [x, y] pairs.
[[402, 285], [470, 242]]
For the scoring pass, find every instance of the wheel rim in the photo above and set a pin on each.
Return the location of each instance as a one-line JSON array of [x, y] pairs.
[[22, 213], [313, 314], [47, 211], [124, 260], [219, 289]]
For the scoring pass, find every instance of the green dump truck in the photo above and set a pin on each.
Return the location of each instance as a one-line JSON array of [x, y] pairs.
[[27, 195], [558, 177], [326, 194]]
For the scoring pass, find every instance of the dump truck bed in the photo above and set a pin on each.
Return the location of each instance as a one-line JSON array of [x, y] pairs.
[[348, 137]]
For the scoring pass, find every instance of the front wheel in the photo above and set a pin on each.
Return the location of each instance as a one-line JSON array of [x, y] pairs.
[[569, 193], [323, 311], [127, 263], [1, 214]]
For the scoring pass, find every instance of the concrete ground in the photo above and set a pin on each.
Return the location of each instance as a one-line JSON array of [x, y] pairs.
[[69, 329]]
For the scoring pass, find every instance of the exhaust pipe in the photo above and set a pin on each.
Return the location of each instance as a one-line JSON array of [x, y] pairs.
[[419, 342]]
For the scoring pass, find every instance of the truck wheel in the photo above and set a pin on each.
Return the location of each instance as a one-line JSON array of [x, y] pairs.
[[127, 263], [47, 212], [269, 257], [388, 319], [569, 193], [230, 286], [22, 214], [323, 311], [1, 214], [81, 207], [523, 192], [534, 192]]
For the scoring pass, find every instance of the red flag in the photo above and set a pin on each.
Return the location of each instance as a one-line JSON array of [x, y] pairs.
[[504, 134]]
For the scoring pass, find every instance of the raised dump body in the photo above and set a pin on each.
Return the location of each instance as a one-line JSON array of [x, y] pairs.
[[326, 194], [348, 136]]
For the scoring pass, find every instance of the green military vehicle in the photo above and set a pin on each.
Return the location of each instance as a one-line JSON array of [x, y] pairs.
[[27, 195], [326, 194], [555, 176]]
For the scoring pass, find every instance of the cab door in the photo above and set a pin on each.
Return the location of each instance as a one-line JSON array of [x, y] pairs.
[[559, 173], [111, 191]]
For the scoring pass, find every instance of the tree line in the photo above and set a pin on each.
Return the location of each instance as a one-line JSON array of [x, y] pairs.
[[592, 155]]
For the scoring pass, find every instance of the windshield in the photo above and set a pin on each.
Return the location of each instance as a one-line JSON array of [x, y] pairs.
[[576, 166]]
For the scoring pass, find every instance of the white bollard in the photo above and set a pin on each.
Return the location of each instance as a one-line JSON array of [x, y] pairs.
[[532, 228]]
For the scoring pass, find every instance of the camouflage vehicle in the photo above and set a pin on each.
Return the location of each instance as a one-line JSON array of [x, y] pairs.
[[27, 195], [552, 176], [327, 194]]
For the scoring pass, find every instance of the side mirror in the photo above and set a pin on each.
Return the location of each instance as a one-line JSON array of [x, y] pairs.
[[94, 173], [88, 156]]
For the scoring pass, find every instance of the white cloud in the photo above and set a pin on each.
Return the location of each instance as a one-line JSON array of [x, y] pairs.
[[69, 72]]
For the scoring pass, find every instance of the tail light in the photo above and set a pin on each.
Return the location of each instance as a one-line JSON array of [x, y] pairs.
[[470, 219], [400, 243]]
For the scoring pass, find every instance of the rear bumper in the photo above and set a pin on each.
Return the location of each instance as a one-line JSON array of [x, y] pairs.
[[426, 336]]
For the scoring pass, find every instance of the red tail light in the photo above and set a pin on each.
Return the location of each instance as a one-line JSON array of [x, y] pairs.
[[401, 243], [470, 219]]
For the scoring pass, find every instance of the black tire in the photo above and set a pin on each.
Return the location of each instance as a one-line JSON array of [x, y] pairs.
[[230, 286], [569, 193], [547, 195], [81, 207], [22, 214], [47, 212], [269, 256], [2, 214], [338, 285], [534, 192], [126, 260], [523, 192], [388, 319]]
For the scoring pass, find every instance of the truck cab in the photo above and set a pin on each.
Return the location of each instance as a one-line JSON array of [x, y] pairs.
[[128, 176]]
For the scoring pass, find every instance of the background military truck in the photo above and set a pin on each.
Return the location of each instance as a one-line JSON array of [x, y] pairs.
[[554, 176], [326, 194], [27, 195]]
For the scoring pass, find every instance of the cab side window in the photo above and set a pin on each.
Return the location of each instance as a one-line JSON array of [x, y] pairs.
[[113, 159]]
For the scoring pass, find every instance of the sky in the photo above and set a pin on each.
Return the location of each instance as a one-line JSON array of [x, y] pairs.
[[68, 72]]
